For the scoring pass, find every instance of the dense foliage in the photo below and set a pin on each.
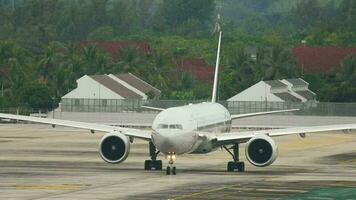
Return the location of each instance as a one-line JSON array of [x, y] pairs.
[[39, 61]]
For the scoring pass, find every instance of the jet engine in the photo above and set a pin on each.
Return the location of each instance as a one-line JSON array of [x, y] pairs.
[[114, 148], [261, 150]]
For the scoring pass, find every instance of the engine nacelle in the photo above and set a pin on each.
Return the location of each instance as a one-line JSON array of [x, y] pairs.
[[114, 148], [261, 150]]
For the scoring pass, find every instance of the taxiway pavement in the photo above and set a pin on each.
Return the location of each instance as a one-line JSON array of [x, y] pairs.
[[39, 162]]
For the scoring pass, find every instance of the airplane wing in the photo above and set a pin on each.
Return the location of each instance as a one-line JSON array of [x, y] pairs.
[[244, 136], [261, 113], [146, 135]]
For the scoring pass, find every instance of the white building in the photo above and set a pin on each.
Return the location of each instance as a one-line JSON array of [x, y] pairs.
[[300, 89], [108, 92], [287, 90]]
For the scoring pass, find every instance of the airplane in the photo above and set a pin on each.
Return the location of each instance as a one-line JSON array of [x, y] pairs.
[[194, 129]]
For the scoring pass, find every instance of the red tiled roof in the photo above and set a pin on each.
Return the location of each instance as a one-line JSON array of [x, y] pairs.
[[199, 69], [113, 48], [324, 60]]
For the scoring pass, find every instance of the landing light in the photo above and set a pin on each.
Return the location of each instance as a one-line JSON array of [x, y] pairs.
[[171, 156]]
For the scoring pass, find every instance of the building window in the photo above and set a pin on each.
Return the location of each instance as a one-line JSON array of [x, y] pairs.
[[104, 102], [76, 102]]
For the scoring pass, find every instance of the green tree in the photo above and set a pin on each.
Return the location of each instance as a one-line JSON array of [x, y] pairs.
[[49, 60], [101, 34], [307, 14], [346, 90], [36, 95], [16, 68], [130, 60], [177, 13], [94, 61], [347, 18], [279, 64], [35, 22]]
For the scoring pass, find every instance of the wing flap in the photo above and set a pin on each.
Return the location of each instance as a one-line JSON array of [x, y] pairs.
[[82, 125]]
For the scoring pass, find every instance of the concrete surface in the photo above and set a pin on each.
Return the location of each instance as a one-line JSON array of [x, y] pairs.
[[38, 162]]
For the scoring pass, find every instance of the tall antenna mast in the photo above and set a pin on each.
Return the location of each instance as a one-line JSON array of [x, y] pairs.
[[216, 75]]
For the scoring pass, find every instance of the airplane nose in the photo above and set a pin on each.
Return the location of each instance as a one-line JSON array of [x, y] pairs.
[[163, 141], [173, 142]]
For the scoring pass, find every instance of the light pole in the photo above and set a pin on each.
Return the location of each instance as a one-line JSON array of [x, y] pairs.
[[2, 88], [53, 98]]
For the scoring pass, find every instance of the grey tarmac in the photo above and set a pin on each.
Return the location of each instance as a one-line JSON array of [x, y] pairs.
[[39, 162]]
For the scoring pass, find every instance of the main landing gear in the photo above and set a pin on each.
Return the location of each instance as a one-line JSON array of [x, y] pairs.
[[153, 164], [171, 169], [236, 165]]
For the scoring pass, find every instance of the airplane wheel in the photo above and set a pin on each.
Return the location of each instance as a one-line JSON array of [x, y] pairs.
[[168, 170], [174, 170], [158, 164], [235, 166], [241, 166], [148, 164], [153, 165]]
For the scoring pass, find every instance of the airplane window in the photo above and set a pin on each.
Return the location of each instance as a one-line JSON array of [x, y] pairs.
[[163, 126], [172, 126]]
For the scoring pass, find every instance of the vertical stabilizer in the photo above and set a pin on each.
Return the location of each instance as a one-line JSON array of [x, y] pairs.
[[216, 75]]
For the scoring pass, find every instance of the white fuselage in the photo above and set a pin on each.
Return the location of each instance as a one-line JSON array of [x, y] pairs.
[[176, 130]]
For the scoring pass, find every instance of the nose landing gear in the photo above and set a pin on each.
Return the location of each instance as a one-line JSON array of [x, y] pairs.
[[153, 164], [171, 169]]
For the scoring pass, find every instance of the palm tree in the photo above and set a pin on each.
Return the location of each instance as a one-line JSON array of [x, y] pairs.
[[279, 64], [348, 73], [130, 61], [95, 61], [346, 81], [242, 68], [49, 60]]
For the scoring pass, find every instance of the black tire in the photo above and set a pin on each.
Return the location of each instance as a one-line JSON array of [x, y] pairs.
[[158, 164], [230, 166], [174, 170], [235, 166], [241, 166], [168, 170], [148, 164]]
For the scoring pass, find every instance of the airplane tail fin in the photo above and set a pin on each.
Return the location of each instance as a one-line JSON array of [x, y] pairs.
[[216, 75]]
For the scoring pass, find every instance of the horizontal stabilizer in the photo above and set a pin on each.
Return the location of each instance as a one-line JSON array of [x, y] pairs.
[[153, 108]]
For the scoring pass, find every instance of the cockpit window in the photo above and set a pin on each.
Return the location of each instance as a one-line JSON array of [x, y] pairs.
[[163, 126], [171, 126], [176, 126]]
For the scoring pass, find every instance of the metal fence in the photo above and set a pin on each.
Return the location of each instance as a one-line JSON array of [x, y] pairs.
[[235, 107], [100, 105]]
